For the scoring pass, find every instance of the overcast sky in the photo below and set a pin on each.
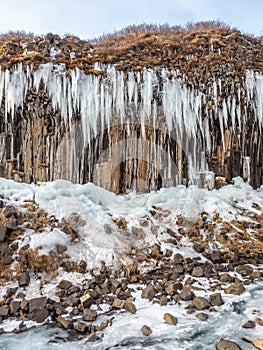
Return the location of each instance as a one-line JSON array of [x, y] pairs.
[[91, 18]]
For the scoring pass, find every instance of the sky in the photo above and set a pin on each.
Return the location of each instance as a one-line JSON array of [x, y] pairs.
[[91, 18]]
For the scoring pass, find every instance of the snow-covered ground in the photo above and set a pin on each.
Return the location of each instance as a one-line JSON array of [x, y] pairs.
[[98, 209]]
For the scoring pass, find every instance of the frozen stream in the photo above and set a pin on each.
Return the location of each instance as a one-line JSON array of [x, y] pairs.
[[189, 333]]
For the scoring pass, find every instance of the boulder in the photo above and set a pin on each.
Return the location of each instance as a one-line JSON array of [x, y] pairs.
[[170, 319], [163, 300], [216, 257], [86, 301], [202, 316], [259, 321], [24, 279], [64, 284], [227, 345], [14, 306], [156, 252], [39, 315], [178, 269], [130, 307], [235, 289], [37, 304], [148, 292], [249, 324], [89, 315], [115, 283], [172, 287], [226, 278], [177, 259], [258, 343], [201, 303], [64, 322], [3, 230], [198, 271], [216, 299], [118, 303], [81, 327], [4, 310], [146, 330], [244, 270], [186, 293]]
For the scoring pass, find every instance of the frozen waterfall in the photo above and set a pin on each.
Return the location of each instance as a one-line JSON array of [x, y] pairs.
[[160, 99]]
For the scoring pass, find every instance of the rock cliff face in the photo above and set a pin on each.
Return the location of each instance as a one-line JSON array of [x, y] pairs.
[[191, 105]]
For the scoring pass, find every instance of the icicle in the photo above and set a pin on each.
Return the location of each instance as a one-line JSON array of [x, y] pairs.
[[246, 168]]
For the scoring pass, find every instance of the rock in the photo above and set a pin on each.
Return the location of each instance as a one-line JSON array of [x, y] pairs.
[[81, 327], [36, 304], [60, 310], [148, 292], [226, 278], [64, 284], [86, 301], [258, 343], [64, 323], [38, 315], [156, 252], [91, 337], [4, 310], [186, 293], [227, 345], [235, 289], [163, 300], [107, 229], [3, 230], [177, 259], [24, 279], [146, 330], [12, 223], [216, 299], [197, 271], [170, 319], [118, 303], [14, 306], [244, 270], [259, 321], [201, 303], [89, 315], [202, 316], [249, 324], [121, 223], [130, 307], [178, 269], [172, 287], [199, 248], [216, 257], [24, 305], [100, 327], [138, 232], [73, 300], [9, 210], [115, 283]]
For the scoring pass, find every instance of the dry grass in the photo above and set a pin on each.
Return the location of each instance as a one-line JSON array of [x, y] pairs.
[[194, 50]]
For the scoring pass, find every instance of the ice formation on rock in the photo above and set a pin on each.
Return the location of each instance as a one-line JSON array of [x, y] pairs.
[[153, 115]]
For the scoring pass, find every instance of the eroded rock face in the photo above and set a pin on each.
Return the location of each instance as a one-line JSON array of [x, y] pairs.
[[127, 129]]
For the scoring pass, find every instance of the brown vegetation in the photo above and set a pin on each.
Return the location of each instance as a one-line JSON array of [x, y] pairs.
[[195, 49]]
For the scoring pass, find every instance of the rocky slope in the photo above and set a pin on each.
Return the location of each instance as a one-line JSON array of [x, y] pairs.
[[175, 250], [145, 108]]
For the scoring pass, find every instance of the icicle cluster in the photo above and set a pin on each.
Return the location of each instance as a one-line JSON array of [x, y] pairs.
[[131, 96], [115, 97]]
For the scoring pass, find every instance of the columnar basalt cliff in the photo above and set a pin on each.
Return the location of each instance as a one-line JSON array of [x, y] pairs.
[[145, 108]]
